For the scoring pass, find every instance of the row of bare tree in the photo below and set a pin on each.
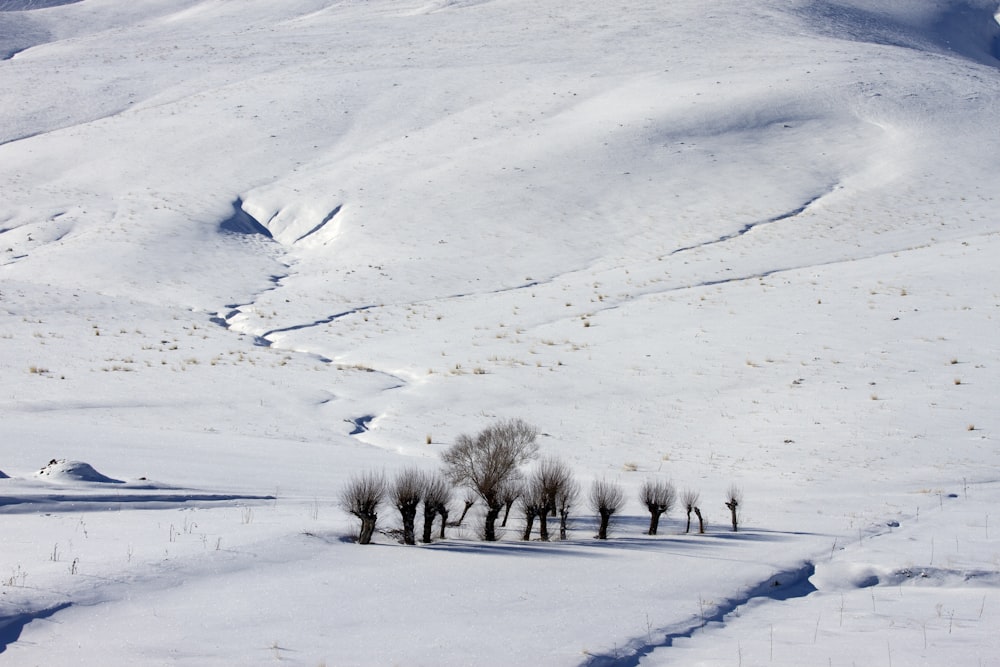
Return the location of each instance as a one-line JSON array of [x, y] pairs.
[[489, 465]]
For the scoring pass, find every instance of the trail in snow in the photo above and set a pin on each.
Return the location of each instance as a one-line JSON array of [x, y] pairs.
[[747, 228], [781, 586]]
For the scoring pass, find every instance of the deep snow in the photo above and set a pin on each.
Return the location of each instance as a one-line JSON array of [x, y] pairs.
[[248, 249]]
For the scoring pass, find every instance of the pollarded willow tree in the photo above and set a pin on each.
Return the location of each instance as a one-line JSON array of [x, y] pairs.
[[549, 478], [658, 497], [734, 498], [566, 499], [532, 501], [437, 495], [689, 499], [606, 498], [361, 496], [509, 494], [406, 492], [489, 461]]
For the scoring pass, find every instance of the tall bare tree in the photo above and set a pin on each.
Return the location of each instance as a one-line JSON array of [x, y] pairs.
[[487, 462], [606, 498], [361, 496], [658, 497], [734, 498]]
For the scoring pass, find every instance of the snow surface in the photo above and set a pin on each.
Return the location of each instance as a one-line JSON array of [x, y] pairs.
[[248, 249]]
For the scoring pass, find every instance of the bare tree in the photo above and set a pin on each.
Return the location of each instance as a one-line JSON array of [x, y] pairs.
[[468, 501], [442, 510], [509, 494], [734, 498], [437, 495], [406, 492], [566, 499], [658, 497], [532, 504], [361, 496], [606, 498], [489, 461], [689, 499], [701, 521], [549, 478]]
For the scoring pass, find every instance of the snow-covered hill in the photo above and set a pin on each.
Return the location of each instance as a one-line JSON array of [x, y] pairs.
[[248, 249]]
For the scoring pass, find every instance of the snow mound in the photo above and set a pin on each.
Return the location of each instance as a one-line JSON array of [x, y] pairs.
[[74, 471], [840, 576]]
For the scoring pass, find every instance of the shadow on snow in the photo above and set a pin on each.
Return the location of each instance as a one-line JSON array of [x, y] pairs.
[[779, 587], [12, 626]]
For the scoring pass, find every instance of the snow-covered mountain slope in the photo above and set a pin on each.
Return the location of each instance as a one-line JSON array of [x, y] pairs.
[[250, 248]]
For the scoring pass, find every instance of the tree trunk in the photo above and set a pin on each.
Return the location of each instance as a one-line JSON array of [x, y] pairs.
[[687, 529], [602, 531], [732, 510], [701, 521], [367, 528], [465, 511], [543, 525], [529, 522], [409, 516], [654, 521], [563, 520], [428, 525], [443, 511], [506, 513], [489, 529]]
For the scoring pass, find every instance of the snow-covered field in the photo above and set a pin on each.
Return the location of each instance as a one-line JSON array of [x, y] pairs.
[[250, 248]]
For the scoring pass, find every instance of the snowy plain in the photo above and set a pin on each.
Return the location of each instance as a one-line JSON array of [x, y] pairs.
[[248, 249]]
